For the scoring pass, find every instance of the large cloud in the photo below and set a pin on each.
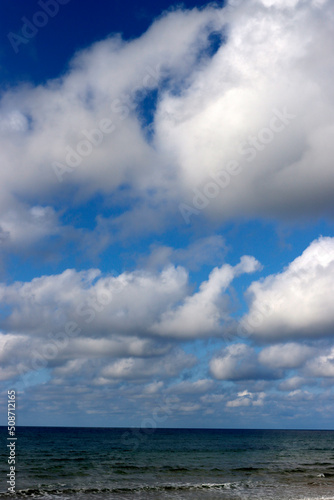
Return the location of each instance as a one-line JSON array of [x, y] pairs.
[[296, 303], [79, 323], [40, 125], [291, 355], [275, 61], [127, 303], [238, 362], [140, 302]]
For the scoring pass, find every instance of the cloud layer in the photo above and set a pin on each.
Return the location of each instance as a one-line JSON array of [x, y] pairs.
[[137, 331]]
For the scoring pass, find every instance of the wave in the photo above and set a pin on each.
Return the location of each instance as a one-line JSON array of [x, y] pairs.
[[45, 492], [170, 487]]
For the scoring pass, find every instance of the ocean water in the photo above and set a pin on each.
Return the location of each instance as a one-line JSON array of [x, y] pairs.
[[130, 464]]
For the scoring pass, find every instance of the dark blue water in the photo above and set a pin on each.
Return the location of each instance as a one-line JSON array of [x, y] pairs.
[[75, 463]]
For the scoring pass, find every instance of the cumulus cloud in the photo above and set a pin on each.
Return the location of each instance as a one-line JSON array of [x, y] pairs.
[[136, 369], [132, 303], [87, 329], [299, 395], [64, 130], [288, 356], [121, 304], [238, 362], [24, 226], [292, 383], [264, 99], [80, 322], [231, 110], [246, 398], [322, 366], [295, 303], [203, 313]]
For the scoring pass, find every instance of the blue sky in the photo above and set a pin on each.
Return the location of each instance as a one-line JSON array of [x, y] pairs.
[[166, 218]]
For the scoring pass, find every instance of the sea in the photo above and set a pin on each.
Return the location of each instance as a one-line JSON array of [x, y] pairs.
[[132, 464]]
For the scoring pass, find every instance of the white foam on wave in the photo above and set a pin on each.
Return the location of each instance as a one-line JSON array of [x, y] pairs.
[[316, 498]]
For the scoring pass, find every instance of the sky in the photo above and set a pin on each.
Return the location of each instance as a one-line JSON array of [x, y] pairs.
[[166, 213]]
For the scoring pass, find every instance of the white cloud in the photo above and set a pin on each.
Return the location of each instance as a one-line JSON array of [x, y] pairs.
[[115, 339], [14, 121], [81, 325], [22, 226], [280, 3], [321, 366], [247, 398], [102, 83], [212, 398], [153, 388], [121, 304], [296, 303], [238, 362], [299, 395], [272, 60], [276, 60], [137, 369], [291, 355], [114, 347], [10, 347], [198, 387], [189, 408], [204, 313], [139, 303], [292, 383], [275, 57]]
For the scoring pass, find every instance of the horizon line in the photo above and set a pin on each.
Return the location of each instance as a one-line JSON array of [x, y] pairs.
[[170, 428]]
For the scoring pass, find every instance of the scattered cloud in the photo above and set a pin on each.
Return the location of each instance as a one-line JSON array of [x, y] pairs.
[[322, 366], [291, 355], [246, 398], [238, 362]]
